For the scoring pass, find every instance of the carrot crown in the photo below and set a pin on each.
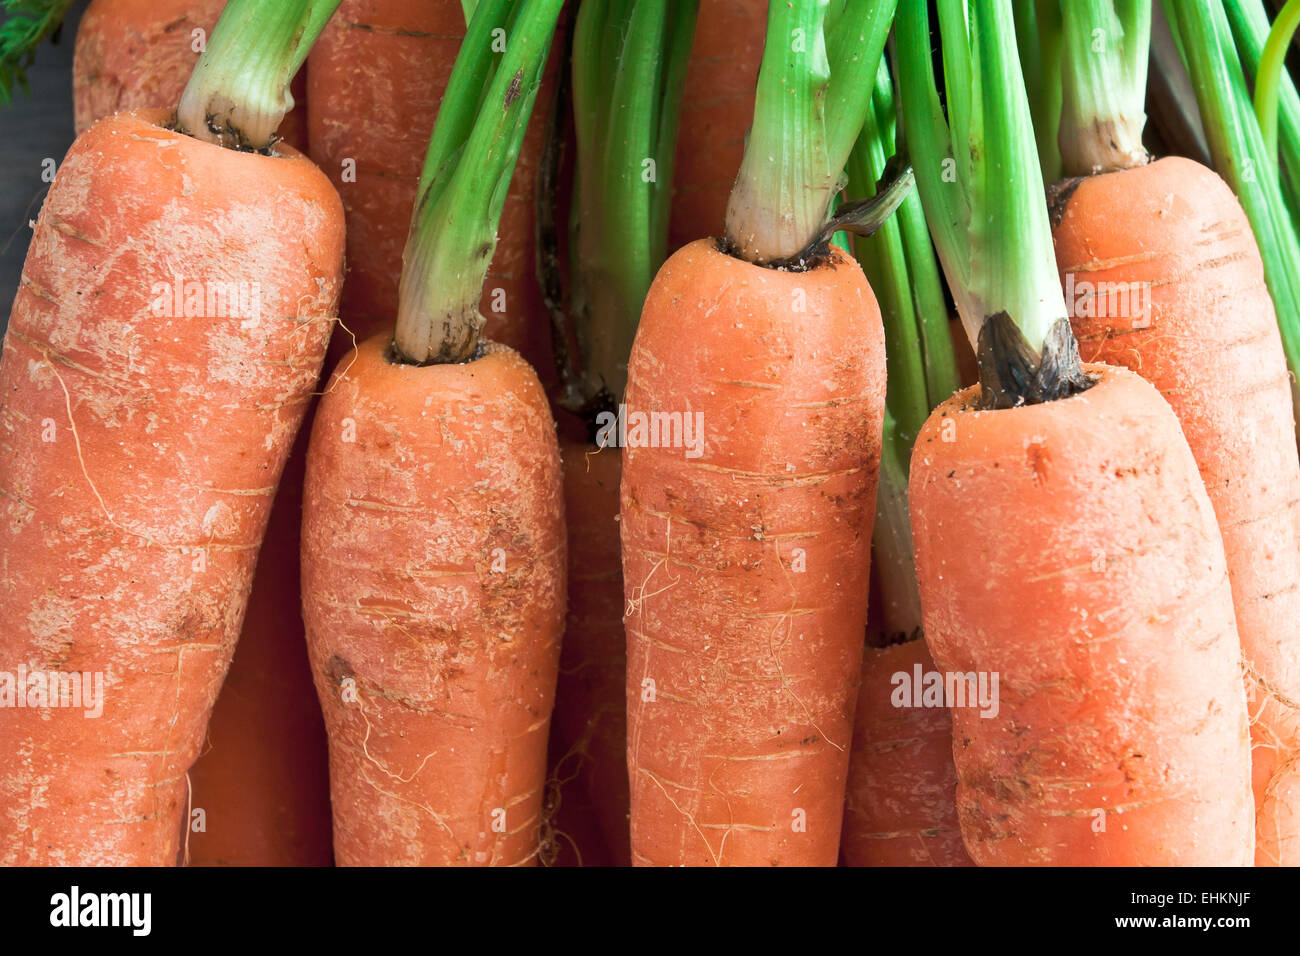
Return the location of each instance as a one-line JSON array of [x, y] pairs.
[[1104, 84], [629, 67], [814, 86], [1206, 42], [980, 183], [239, 90], [467, 169]]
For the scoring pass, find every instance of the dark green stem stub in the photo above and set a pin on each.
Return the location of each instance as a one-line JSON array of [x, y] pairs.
[[1011, 372]]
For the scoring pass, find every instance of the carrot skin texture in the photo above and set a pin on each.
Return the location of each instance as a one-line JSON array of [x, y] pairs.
[[588, 753], [128, 542], [1211, 345], [901, 808], [139, 54], [433, 592], [375, 79], [1091, 579], [716, 112], [745, 569]]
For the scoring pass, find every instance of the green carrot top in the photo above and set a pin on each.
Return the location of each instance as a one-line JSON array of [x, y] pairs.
[[26, 25], [471, 157], [1104, 84], [629, 67], [814, 87], [980, 183], [239, 90]]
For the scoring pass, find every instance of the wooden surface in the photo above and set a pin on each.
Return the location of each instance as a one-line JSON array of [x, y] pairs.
[[32, 128]]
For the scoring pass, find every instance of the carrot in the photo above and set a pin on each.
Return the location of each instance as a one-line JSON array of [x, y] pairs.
[[146, 422], [1149, 253], [745, 546], [900, 807], [138, 54], [263, 795], [374, 84], [433, 520], [1072, 577], [715, 114]]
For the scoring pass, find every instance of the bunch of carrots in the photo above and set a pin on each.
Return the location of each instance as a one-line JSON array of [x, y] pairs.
[[658, 433]]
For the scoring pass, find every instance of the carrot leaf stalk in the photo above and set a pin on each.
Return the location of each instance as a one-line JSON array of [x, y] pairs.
[[629, 69], [26, 25], [1104, 85], [1240, 155], [814, 87], [1038, 37], [1272, 63], [898, 260], [1250, 31], [239, 90], [467, 169], [982, 189]]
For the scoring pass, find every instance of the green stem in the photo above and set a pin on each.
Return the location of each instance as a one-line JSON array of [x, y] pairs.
[[239, 90], [1250, 30], [466, 174], [1104, 85], [1038, 38], [891, 540], [1240, 156], [814, 87], [1268, 78], [898, 260], [984, 200], [629, 66]]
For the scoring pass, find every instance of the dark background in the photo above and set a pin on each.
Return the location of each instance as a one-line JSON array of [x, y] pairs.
[[32, 128]]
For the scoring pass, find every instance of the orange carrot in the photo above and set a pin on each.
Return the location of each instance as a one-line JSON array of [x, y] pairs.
[[899, 810], [589, 736], [1180, 248], [138, 54], [433, 523], [262, 777], [1073, 583], [433, 576], [1162, 274], [1091, 579], [746, 528], [144, 445], [745, 569]]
